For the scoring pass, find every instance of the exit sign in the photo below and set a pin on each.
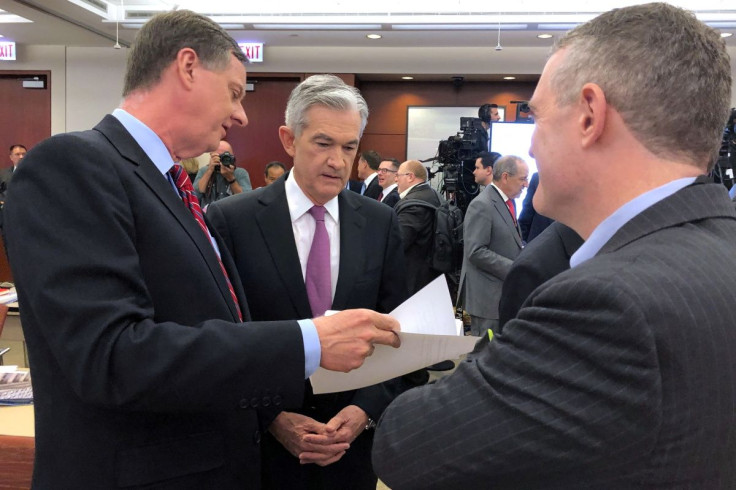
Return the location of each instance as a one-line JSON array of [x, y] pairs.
[[7, 50], [254, 51]]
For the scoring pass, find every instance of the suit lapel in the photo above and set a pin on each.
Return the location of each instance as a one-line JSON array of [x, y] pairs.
[[119, 137], [503, 210], [352, 248], [274, 222]]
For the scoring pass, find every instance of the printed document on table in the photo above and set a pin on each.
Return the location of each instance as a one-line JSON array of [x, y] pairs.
[[429, 334]]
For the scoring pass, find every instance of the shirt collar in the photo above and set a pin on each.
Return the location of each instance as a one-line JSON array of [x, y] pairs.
[[402, 195], [388, 189], [299, 203], [146, 139], [609, 226], [503, 196], [369, 179]]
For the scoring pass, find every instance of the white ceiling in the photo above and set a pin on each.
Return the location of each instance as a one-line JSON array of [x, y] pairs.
[[457, 37]]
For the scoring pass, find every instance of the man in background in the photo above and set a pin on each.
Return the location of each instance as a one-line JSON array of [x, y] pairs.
[[416, 223], [318, 247], [17, 153], [387, 171], [491, 241], [619, 372], [221, 177], [144, 374], [487, 113], [367, 166], [273, 171]]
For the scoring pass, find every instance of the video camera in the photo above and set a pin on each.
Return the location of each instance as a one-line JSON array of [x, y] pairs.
[[227, 159], [456, 157]]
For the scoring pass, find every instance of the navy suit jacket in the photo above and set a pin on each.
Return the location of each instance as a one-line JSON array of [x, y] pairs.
[[142, 374], [616, 374]]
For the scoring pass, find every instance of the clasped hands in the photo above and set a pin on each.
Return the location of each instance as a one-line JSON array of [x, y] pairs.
[[314, 442]]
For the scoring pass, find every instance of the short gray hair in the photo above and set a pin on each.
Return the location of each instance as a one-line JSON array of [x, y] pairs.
[[506, 164], [648, 60], [164, 35], [325, 90]]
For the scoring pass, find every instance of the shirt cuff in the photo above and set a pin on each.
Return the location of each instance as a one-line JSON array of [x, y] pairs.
[[312, 347]]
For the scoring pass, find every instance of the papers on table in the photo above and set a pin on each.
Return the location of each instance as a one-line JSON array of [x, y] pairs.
[[429, 334], [15, 386], [8, 296]]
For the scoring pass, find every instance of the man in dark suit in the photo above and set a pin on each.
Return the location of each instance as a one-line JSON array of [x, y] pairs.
[[17, 153], [143, 373], [387, 171], [619, 372], [416, 223], [271, 235], [538, 262], [491, 241], [367, 166], [530, 221]]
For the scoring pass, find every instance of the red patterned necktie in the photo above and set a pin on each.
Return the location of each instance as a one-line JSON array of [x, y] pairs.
[[380, 197], [512, 209], [186, 192]]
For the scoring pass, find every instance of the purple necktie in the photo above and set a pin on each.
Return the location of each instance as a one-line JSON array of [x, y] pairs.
[[318, 278]]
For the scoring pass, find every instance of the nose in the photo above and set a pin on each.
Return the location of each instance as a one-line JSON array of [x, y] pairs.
[[239, 115]]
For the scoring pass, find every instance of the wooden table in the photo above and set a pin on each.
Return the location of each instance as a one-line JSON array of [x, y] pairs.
[[17, 446]]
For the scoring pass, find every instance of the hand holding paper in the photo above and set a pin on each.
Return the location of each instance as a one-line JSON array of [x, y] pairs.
[[428, 335], [348, 337]]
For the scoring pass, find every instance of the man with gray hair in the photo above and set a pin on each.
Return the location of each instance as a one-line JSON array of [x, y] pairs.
[[491, 242], [307, 240], [147, 372], [618, 373]]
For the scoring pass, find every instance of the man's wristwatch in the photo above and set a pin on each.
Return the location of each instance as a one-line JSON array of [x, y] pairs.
[[231, 182], [371, 424]]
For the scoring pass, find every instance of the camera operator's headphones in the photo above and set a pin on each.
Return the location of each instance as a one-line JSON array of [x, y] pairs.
[[484, 113]]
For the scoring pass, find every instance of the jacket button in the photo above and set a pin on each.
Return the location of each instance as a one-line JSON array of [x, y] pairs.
[[266, 401], [254, 402], [257, 437], [277, 400], [244, 403]]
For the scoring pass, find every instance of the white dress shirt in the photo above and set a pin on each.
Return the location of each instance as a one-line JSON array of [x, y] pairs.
[[303, 226]]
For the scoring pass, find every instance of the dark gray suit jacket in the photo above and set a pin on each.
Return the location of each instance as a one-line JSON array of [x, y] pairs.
[[256, 227], [142, 374], [616, 374], [491, 242]]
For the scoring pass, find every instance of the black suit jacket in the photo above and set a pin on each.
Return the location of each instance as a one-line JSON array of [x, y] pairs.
[[616, 374], [142, 374], [532, 223], [538, 262], [416, 223], [374, 189], [392, 198], [256, 227]]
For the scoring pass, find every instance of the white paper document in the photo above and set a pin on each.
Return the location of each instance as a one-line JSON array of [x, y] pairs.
[[429, 334]]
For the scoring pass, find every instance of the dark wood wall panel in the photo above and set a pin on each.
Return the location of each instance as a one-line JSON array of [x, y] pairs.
[[25, 117]]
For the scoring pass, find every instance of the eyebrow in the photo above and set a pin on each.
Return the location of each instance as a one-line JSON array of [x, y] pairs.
[[331, 139]]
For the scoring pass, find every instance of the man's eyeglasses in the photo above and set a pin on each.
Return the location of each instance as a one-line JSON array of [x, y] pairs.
[[386, 170]]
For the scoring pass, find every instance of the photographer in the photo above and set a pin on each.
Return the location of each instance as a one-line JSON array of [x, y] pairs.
[[220, 178]]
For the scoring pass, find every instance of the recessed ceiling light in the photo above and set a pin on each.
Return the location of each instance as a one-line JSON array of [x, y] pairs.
[[544, 36], [509, 78], [726, 34], [407, 78], [374, 36]]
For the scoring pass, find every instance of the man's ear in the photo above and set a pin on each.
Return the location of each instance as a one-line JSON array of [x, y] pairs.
[[592, 118], [186, 63], [286, 135]]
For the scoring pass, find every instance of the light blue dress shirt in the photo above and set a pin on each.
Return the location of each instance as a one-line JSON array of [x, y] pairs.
[[609, 226], [161, 158]]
